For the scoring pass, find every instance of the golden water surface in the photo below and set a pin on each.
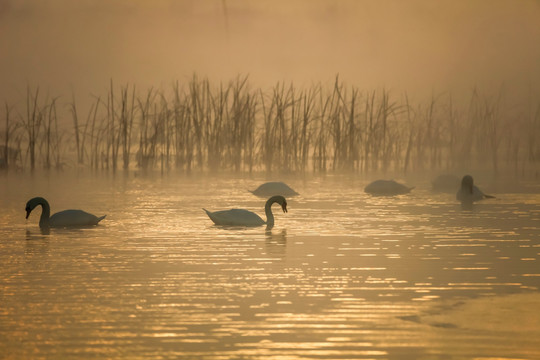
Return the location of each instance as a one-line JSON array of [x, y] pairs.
[[342, 275]]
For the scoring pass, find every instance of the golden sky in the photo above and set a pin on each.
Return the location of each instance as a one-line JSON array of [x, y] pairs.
[[419, 46]]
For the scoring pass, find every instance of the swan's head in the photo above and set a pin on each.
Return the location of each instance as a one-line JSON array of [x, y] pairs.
[[281, 201], [29, 207], [278, 199], [32, 203], [467, 183]]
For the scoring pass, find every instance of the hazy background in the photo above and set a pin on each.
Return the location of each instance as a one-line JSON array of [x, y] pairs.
[[418, 46]]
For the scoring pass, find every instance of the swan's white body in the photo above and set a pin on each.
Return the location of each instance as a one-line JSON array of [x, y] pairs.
[[241, 217], [386, 187], [66, 218], [274, 188], [469, 193], [465, 195]]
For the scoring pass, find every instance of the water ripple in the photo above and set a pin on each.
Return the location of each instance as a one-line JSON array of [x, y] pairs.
[[341, 275]]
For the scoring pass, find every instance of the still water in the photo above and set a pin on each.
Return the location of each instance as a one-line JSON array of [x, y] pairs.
[[342, 275]]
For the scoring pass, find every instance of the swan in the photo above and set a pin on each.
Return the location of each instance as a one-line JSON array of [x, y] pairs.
[[273, 188], [60, 219], [241, 217], [469, 193], [386, 187]]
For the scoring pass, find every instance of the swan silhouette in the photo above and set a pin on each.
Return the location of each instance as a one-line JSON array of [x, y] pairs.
[[273, 188], [241, 217], [66, 218], [387, 187], [469, 193]]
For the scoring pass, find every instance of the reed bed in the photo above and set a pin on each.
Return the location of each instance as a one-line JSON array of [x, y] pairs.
[[201, 126]]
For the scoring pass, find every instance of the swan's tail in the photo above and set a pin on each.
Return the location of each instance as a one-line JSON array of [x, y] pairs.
[[100, 218], [489, 196], [209, 215]]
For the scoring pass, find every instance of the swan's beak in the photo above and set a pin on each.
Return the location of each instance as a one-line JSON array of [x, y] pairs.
[[284, 207], [28, 213]]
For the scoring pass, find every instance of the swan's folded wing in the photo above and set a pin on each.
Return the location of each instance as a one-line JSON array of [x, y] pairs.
[[387, 187], [73, 218], [478, 194], [274, 188], [465, 196], [235, 217]]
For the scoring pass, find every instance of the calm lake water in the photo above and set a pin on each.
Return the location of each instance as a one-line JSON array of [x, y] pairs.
[[342, 275]]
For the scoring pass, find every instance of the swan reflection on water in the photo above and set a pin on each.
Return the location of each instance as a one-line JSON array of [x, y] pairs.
[[467, 206], [30, 236], [276, 243], [36, 244]]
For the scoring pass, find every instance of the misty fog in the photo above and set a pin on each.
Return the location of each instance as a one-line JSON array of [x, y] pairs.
[[137, 133], [472, 67], [421, 47]]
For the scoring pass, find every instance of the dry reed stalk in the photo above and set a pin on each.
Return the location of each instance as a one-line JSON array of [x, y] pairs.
[[353, 135], [243, 111], [180, 127], [167, 128], [75, 118], [411, 137], [48, 124], [214, 126], [320, 150], [143, 154], [57, 148], [452, 129], [266, 139], [127, 114], [5, 160], [335, 123], [198, 96], [94, 157], [287, 129], [307, 106], [33, 124]]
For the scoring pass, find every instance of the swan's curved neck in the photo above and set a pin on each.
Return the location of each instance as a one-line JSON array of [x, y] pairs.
[[268, 211], [45, 213]]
